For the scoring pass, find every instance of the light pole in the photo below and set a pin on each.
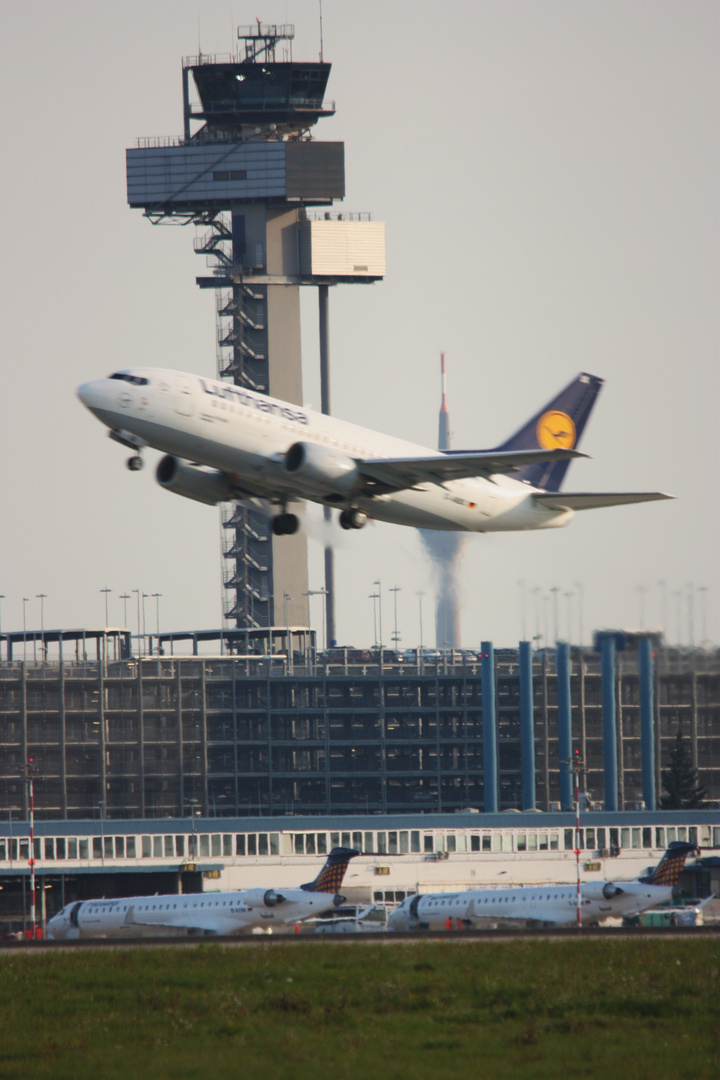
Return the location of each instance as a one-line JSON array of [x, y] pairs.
[[41, 596], [125, 597], [396, 637], [581, 632], [641, 604], [379, 589], [536, 590], [703, 590], [144, 598], [555, 589], [138, 591], [106, 591], [374, 597], [324, 593], [26, 599], [289, 659], [568, 596], [691, 613]]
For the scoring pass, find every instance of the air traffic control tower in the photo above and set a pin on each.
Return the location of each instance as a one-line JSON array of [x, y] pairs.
[[247, 172]]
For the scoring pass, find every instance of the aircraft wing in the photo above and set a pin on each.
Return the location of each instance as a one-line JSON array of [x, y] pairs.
[[398, 473], [562, 500]]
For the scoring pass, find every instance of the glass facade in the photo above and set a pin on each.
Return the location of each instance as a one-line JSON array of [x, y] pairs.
[[166, 737]]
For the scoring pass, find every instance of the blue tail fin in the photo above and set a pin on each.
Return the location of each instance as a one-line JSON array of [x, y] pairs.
[[559, 424], [331, 876], [667, 871]]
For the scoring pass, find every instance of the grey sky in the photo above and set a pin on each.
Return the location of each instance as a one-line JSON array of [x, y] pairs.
[[548, 175]]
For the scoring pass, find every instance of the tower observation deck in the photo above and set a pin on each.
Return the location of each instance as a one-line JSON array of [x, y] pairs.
[[248, 173]]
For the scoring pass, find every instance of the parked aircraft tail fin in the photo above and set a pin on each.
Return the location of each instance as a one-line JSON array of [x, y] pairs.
[[331, 876], [667, 871]]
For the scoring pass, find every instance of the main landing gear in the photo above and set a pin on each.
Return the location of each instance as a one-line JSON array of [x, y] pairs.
[[135, 463], [285, 524], [352, 519]]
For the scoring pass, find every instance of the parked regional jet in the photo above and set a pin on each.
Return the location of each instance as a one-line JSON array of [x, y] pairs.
[[225, 443], [204, 913], [544, 905]]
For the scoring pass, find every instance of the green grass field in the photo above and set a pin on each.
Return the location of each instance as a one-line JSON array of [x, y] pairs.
[[614, 1009]]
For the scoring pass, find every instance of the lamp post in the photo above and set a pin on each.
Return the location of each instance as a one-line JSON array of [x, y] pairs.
[[41, 596], [320, 592], [556, 630], [106, 591], [379, 589], [26, 599], [125, 597], [396, 637], [374, 597], [289, 660], [138, 591], [157, 596]]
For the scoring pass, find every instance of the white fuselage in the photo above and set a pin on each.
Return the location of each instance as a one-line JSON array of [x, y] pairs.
[[549, 905], [194, 913], [247, 435]]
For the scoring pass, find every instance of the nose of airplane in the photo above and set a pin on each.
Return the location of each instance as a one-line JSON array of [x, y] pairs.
[[88, 393]]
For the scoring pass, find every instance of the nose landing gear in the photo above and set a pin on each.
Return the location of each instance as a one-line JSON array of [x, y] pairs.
[[352, 519]]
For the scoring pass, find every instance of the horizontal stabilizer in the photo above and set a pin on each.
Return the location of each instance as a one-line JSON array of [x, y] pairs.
[[562, 500], [400, 473]]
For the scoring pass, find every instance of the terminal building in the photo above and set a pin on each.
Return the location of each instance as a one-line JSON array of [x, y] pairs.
[[235, 758]]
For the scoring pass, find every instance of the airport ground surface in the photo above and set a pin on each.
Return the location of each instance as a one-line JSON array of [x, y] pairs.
[[640, 1004]]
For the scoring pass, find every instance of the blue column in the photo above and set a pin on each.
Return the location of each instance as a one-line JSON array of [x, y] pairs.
[[647, 722], [564, 724], [489, 715], [609, 670], [527, 726]]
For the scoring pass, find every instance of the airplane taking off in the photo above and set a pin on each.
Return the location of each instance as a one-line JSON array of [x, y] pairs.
[[544, 905], [225, 443], [203, 913]]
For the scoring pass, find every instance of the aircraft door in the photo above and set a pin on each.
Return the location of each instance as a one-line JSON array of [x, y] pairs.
[[184, 395]]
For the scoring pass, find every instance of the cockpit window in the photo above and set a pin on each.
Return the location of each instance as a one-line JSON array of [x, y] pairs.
[[125, 376]]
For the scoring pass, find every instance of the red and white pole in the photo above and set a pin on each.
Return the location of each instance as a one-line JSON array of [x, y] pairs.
[[576, 770], [32, 846]]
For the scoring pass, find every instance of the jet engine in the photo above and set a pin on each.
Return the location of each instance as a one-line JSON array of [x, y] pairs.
[[204, 485], [601, 890], [263, 898], [325, 469]]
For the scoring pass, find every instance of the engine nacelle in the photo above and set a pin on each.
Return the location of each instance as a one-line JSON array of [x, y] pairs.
[[207, 486], [601, 890], [263, 898], [325, 469]]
